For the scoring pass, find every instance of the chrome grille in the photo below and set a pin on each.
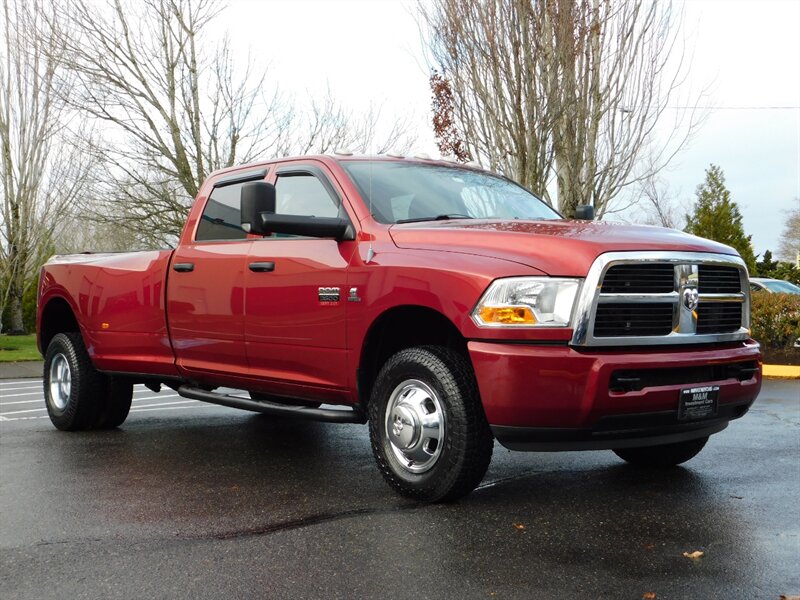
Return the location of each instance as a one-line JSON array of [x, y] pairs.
[[719, 280], [650, 298], [721, 317], [639, 279], [621, 319]]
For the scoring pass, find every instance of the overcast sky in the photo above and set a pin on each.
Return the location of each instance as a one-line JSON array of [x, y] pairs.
[[748, 51]]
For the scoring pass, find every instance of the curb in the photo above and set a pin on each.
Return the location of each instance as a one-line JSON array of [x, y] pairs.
[[21, 370], [782, 371]]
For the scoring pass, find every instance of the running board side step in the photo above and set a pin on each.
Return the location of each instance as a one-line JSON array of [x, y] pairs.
[[270, 408]]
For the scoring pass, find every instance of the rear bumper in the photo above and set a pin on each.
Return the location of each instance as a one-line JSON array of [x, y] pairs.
[[558, 398]]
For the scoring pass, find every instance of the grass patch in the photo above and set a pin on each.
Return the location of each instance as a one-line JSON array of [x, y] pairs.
[[14, 348]]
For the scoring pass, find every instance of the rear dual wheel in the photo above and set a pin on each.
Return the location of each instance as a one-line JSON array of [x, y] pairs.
[[76, 394]]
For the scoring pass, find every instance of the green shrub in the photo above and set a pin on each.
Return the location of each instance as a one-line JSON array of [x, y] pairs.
[[785, 271], [775, 319], [29, 308]]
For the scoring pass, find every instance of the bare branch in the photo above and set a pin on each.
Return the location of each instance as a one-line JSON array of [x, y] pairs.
[[41, 172], [564, 89], [176, 105]]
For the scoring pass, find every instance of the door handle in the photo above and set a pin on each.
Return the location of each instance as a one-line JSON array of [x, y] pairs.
[[262, 267], [183, 267]]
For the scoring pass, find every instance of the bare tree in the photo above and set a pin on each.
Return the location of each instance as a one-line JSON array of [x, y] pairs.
[[80, 234], [485, 50], [789, 245], [657, 205], [653, 201], [41, 173], [180, 105], [177, 105], [570, 89], [325, 126]]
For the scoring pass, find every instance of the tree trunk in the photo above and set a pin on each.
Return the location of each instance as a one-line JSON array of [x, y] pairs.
[[16, 326]]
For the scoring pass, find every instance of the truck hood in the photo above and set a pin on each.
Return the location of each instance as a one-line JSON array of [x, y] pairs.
[[557, 247]]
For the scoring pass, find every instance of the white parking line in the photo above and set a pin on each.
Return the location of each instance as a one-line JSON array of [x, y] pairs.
[[159, 397], [22, 402], [19, 412], [199, 405], [26, 394], [194, 404], [30, 410], [162, 404], [6, 385], [37, 385], [41, 399], [26, 387]]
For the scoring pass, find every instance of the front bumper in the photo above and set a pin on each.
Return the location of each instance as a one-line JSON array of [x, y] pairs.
[[558, 398]]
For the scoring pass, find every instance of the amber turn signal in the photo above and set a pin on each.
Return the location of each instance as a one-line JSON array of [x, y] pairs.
[[507, 315]]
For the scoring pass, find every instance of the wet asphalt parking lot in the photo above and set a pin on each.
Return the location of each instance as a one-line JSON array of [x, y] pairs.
[[188, 500]]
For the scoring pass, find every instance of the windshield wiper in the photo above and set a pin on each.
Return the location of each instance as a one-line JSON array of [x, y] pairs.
[[446, 217]]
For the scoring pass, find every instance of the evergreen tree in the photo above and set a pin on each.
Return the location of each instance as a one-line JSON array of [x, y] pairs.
[[717, 217], [766, 265]]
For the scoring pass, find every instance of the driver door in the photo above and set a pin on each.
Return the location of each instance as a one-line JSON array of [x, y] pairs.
[[296, 294]]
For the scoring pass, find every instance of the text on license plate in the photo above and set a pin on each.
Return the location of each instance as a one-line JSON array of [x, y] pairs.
[[698, 402]]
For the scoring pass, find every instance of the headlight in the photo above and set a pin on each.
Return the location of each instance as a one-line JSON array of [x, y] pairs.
[[527, 302]]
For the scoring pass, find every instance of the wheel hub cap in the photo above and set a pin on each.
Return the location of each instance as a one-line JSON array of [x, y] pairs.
[[60, 381], [415, 425], [405, 427]]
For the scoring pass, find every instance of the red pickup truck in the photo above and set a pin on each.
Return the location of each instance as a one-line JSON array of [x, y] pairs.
[[445, 305]]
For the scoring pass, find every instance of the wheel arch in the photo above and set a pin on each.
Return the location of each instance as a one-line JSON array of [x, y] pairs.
[[57, 316], [400, 327]]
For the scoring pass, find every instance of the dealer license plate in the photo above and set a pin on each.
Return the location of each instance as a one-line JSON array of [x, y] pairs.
[[698, 402]]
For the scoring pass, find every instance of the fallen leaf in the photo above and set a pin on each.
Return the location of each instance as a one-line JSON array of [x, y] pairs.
[[792, 597], [519, 526], [694, 555], [649, 596], [649, 547]]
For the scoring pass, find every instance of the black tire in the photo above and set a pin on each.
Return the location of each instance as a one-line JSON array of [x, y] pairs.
[[464, 455], [76, 404], [116, 403], [666, 455], [259, 397]]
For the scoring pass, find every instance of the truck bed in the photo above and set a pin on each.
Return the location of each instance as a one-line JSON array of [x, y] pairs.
[[121, 298]]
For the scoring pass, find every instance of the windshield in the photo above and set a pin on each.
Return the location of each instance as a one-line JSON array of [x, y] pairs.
[[401, 192], [781, 287]]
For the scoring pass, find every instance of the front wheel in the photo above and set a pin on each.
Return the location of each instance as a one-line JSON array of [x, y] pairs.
[[428, 431], [665, 455]]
